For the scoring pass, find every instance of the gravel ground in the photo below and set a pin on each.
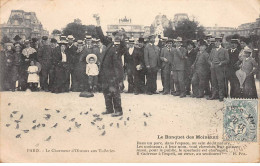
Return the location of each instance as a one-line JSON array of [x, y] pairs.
[[77, 123]]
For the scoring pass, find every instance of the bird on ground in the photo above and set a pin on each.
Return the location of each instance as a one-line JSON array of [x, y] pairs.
[[54, 126], [103, 127], [72, 120], [120, 118], [38, 125], [125, 123], [80, 113], [17, 121], [128, 118], [117, 125], [47, 117], [21, 117], [46, 109], [129, 109], [104, 132], [48, 139], [43, 125], [86, 113], [58, 111], [25, 131], [77, 124], [93, 123], [17, 126], [69, 129], [64, 117], [150, 114], [34, 121], [7, 125], [9, 104], [90, 109], [18, 136], [11, 116], [145, 124], [111, 124], [14, 112], [34, 127]]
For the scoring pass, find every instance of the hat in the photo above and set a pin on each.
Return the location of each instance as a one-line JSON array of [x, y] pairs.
[[17, 37], [141, 40], [164, 38], [234, 41], [209, 35], [247, 49], [63, 42], [94, 39], [80, 42], [34, 40], [98, 40], [91, 56], [53, 40], [132, 41], [17, 45], [178, 39], [88, 37], [70, 37], [189, 42], [218, 38], [63, 38], [45, 38], [27, 42]]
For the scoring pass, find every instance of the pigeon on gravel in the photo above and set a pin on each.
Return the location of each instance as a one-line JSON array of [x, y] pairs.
[[9, 104], [14, 112], [103, 127], [46, 109], [34, 127], [43, 125], [77, 124], [111, 124], [125, 123], [58, 111], [117, 125], [34, 121], [17, 121], [21, 117], [54, 126], [47, 117], [93, 123], [80, 113], [72, 120], [129, 109], [69, 129], [25, 131], [18, 136], [120, 118], [48, 139], [11, 116], [17, 126], [64, 117], [128, 118], [86, 113], [38, 125], [7, 125], [145, 124], [104, 132]]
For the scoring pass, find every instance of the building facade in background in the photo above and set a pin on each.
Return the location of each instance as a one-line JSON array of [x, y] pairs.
[[132, 30], [219, 31], [24, 24]]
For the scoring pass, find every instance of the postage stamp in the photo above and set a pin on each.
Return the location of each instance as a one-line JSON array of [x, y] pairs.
[[240, 120]]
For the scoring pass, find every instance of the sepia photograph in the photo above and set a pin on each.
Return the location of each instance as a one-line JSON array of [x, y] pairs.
[[129, 81]]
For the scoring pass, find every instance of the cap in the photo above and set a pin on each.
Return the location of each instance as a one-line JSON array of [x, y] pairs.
[[141, 40], [132, 41], [178, 39], [45, 38], [88, 37], [70, 37], [17, 37], [27, 42], [63, 42], [80, 42], [53, 40]]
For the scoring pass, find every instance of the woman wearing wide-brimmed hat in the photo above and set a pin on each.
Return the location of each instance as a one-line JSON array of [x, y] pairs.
[[61, 61]]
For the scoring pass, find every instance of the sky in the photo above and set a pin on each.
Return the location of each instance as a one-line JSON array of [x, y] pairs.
[[56, 14]]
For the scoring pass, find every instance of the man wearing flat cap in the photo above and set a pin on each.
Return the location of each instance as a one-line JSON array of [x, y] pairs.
[[152, 63], [218, 61], [45, 58], [111, 71]]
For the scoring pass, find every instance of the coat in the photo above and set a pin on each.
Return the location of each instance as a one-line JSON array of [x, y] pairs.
[[165, 53], [152, 56], [219, 56], [201, 63], [99, 52], [233, 61], [129, 60], [191, 56], [44, 56], [179, 58], [111, 67]]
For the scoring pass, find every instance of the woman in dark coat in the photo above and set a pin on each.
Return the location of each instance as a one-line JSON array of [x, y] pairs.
[[61, 63]]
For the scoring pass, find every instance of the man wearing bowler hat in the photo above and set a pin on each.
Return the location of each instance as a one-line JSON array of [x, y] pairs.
[[152, 63]]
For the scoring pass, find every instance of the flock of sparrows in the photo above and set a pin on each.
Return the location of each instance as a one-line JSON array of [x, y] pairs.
[[96, 122]]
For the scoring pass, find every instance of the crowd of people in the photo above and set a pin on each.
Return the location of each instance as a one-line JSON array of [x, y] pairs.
[[198, 68]]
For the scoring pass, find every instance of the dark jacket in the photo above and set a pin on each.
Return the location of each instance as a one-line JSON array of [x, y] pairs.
[[45, 55], [233, 60], [179, 58], [191, 56], [100, 55], [165, 53], [111, 67], [201, 63]]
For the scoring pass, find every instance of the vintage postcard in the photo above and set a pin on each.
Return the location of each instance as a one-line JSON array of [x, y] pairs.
[[129, 81]]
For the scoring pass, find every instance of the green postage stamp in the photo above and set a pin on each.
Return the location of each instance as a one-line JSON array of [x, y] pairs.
[[240, 120]]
